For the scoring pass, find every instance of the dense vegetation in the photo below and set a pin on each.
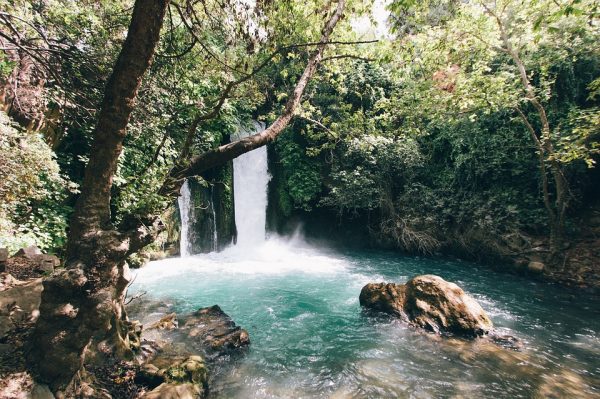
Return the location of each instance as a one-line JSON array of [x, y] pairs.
[[422, 129], [470, 127], [440, 142]]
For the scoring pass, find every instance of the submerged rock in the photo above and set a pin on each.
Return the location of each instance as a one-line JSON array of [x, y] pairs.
[[429, 302], [565, 384], [171, 366], [215, 330]]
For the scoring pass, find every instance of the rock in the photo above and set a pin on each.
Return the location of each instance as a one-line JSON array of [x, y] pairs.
[[29, 252], [30, 263], [168, 322], [19, 303], [41, 391], [46, 263], [7, 281], [16, 385], [22, 386], [149, 375], [506, 341], [520, 264], [539, 249], [387, 298], [429, 302], [215, 330], [175, 391], [177, 368], [171, 373], [88, 390], [536, 267], [433, 303], [134, 334], [148, 349]]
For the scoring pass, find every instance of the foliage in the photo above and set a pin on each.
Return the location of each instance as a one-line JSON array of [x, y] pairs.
[[428, 140], [419, 131], [32, 191]]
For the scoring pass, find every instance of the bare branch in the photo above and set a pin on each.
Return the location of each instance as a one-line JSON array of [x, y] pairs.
[[356, 57]]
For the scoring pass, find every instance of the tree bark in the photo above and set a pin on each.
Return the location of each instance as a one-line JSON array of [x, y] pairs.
[[218, 156], [84, 302]]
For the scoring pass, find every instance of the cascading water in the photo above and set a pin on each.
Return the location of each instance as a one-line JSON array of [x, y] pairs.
[[250, 179], [215, 234], [310, 338], [184, 201]]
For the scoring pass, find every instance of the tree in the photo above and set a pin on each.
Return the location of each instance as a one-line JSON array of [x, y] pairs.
[[84, 301], [543, 138], [82, 311], [489, 56]]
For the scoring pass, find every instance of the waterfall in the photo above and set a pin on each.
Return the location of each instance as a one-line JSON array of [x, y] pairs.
[[215, 236], [184, 201], [250, 179]]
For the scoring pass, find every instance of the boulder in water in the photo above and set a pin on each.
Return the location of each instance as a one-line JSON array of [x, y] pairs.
[[429, 302], [215, 330], [536, 267], [384, 297]]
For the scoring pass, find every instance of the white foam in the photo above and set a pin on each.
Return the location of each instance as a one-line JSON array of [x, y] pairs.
[[274, 256]]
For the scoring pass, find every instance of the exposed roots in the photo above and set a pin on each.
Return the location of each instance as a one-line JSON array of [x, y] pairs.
[[406, 237]]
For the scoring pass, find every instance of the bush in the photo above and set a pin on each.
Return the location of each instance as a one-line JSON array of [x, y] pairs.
[[32, 191]]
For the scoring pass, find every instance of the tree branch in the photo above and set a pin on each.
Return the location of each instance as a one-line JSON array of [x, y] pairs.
[[356, 57], [227, 152]]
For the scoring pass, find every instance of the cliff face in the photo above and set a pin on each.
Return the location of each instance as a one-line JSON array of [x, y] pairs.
[[212, 221]]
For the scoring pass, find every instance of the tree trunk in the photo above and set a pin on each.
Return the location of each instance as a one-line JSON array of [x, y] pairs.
[[556, 212], [83, 303]]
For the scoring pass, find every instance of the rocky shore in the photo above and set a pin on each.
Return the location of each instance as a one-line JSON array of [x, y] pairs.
[[174, 353]]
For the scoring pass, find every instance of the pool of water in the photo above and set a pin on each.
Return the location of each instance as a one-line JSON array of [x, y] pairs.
[[310, 338]]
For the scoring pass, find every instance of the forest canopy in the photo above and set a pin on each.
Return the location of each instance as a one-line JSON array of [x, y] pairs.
[[430, 104]]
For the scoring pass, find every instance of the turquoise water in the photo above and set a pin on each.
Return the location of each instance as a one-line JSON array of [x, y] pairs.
[[310, 338]]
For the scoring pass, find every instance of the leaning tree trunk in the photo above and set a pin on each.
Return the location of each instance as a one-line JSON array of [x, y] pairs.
[[222, 154], [83, 303]]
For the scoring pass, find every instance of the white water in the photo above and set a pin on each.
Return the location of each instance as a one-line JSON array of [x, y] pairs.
[[184, 201], [250, 179], [215, 235]]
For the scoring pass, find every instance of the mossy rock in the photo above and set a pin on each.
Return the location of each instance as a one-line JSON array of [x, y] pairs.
[[192, 370]]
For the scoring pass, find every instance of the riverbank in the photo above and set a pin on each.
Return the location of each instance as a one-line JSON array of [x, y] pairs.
[[575, 265]]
